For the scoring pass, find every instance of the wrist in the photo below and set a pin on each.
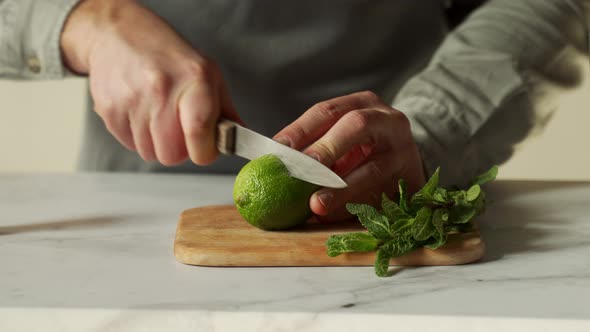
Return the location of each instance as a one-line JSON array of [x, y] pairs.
[[82, 29]]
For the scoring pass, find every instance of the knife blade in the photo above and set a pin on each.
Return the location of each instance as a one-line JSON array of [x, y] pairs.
[[235, 139]]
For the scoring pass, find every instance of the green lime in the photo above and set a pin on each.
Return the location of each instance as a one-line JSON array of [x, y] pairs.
[[268, 197]]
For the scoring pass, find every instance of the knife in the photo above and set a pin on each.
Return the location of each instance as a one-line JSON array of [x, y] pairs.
[[233, 139]]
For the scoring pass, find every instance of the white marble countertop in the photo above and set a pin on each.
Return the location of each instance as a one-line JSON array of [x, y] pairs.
[[93, 252]]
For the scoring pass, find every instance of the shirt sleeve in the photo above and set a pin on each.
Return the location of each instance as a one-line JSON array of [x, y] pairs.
[[29, 38], [476, 99]]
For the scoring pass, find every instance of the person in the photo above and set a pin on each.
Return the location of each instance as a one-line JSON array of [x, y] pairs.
[[378, 90]]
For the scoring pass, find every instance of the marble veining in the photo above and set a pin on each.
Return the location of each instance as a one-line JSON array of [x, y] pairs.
[[100, 245]]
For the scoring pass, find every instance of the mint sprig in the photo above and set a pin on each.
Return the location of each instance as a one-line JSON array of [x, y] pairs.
[[359, 242], [423, 220]]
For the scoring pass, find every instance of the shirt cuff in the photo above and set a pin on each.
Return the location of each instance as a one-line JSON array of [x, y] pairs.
[[31, 40], [436, 146]]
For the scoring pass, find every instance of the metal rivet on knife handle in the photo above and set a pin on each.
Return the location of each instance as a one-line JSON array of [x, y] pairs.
[[226, 137]]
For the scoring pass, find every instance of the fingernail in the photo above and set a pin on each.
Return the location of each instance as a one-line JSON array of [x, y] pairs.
[[283, 140], [315, 156], [326, 198]]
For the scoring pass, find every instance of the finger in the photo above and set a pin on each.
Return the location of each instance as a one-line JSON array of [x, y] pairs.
[[169, 144], [143, 139], [198, 108], [317, 120], [119, 127], [352, 159], [368, 181], [369, 127]]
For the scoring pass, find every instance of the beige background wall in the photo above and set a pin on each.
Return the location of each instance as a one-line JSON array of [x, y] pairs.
[[40, 127]]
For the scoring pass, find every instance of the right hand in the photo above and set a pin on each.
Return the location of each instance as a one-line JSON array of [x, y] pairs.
[[155, 93]]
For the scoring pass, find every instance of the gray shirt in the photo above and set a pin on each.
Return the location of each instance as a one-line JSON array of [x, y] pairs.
[[469, 93]]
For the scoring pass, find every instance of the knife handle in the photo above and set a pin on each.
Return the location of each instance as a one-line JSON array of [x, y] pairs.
[[226, 137]]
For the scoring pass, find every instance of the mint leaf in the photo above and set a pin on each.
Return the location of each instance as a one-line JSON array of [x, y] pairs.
[[398, 247], [422, 227], [426, 193], [486, 177], [473, 192], [382, 263], [351, 242], [440, 236], [441, 196], [458, 197], [377, 224], [430, 185], [391, 210], [394, 248], [461, 214], [402, 227], [403, 197]]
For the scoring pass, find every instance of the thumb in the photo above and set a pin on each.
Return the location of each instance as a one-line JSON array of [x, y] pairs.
[[365, 185], [321, 201], [325, 204]]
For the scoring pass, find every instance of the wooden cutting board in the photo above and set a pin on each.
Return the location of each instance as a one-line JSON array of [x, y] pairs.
[[219, 236]]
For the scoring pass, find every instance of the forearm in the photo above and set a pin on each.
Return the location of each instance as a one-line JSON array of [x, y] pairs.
[[474, 102], [30, 33]]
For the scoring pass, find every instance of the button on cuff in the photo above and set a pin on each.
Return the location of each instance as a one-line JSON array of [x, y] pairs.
[[34, 64]]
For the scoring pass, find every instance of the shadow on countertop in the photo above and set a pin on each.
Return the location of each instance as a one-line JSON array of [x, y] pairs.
[[512, 225], [76, 223]]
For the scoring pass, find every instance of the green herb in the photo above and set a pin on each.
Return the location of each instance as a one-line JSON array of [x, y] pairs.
[[359, 242], [423, 220]]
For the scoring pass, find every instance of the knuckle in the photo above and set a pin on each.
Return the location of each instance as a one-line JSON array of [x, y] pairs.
[[156, 81], [157, 85], [109, 115], [401, 121], [196, 128], [327, 110], [370, 96], [296, 133], [326, 151], [106, 110], [129, 101], [203, 70], [358, 120], [110, 123], [199, 125]]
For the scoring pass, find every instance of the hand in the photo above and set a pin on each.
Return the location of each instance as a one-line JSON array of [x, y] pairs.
[[155, 93], [364, 141]]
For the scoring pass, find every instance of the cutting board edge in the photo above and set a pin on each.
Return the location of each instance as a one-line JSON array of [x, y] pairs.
[[416, 258], [444, 256]]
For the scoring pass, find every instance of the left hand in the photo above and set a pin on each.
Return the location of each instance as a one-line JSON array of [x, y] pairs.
[[365, 141]]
